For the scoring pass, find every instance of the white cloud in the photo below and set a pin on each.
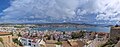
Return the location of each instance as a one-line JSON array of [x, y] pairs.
[[56, 9], [109, 10], [63, 10]]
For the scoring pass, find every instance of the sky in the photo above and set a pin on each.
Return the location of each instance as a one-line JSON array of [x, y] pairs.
[[59, 11]]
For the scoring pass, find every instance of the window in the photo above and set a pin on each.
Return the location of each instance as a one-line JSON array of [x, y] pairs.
[[23, 39], [34, 45], [29, 44], [24, 43], [29, 40]]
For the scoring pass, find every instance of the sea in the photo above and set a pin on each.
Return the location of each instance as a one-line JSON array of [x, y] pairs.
[[95, 29]]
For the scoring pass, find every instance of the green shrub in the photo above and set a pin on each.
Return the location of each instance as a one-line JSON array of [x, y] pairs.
[[15, 40], [59, 43]]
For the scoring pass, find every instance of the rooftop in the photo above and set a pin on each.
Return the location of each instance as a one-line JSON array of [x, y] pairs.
[[115, 27], [118, 44], [4, 33]]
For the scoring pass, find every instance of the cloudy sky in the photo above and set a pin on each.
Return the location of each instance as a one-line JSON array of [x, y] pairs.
[[52, 11]]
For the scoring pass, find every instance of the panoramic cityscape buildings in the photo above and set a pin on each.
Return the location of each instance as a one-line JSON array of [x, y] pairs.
[[59, 23], [29, 35]]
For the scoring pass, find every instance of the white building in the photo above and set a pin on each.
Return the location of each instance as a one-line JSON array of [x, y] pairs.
[[6, 29], [32, 42]]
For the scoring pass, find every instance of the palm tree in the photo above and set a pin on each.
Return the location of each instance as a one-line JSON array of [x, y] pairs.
[[1, 40]]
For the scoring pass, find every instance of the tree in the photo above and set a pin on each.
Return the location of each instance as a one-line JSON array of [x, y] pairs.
[[12, 33], [1, 40], [74, 35], [59, 43], [80, 34], [15, 40], [47, 37], [19, 35], [63, 32]]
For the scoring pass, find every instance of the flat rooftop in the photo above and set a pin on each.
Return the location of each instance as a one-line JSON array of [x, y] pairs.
[[115, 27]]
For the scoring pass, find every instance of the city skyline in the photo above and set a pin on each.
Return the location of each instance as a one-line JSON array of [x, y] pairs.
[[59, 11]]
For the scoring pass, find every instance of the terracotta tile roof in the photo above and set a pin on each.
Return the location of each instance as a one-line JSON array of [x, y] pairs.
[[50, 45], [80, 43], [73, 43], [51, 41], [4, 33], [76, 43], [65, 44]]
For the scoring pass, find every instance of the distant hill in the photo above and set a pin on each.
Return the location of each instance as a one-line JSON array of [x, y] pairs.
[[58, 24]]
